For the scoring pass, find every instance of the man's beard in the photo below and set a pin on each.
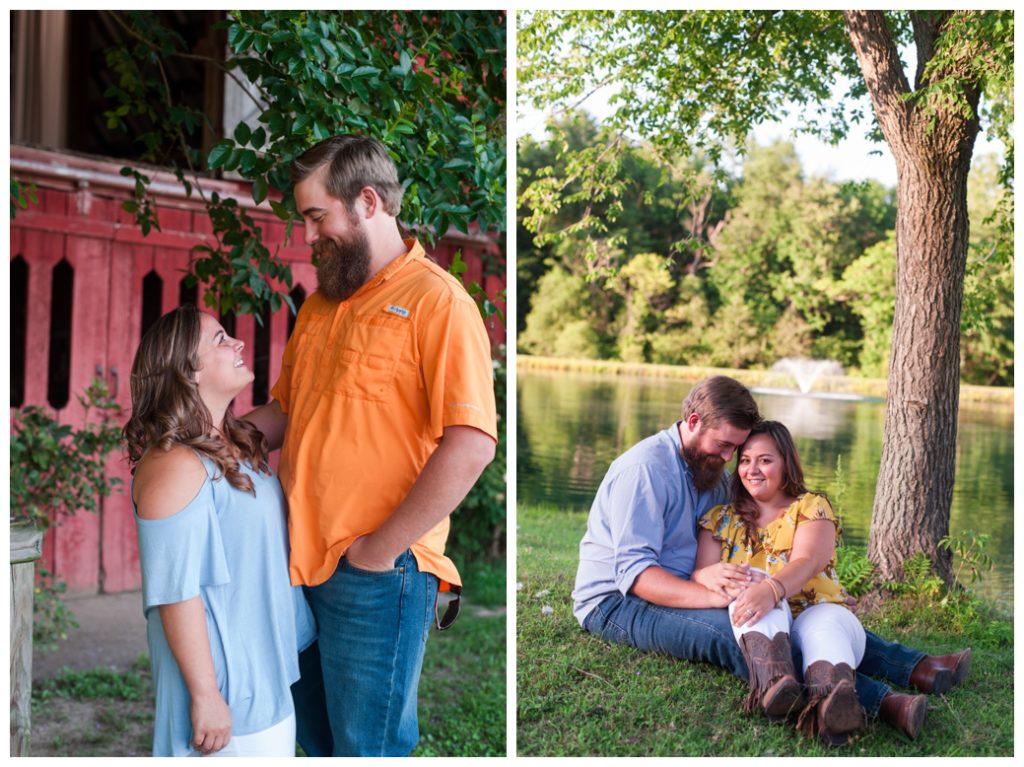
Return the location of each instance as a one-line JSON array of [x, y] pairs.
[[707, 469], [343, 266]]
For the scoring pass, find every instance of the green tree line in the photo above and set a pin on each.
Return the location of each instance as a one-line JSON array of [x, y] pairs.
[[680, 266]]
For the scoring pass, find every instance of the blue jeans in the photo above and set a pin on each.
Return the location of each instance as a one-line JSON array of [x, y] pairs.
[[358, 698], [705, 635]]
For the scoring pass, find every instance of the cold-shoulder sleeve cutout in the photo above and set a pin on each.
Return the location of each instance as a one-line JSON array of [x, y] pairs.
[[182, 553], [167, 482]]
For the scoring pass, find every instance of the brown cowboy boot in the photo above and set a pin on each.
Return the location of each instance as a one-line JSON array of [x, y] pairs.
[[904, 712], [832, 712], [936, 674], [772, 678]]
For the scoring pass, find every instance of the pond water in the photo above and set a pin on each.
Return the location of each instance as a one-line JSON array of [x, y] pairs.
[[571, 426]]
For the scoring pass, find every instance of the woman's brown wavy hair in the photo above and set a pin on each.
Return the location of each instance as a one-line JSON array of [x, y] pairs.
[[792, 475], [167, 409]]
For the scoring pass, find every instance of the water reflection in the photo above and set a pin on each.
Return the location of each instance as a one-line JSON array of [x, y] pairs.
[[570, 427], [805, 416]]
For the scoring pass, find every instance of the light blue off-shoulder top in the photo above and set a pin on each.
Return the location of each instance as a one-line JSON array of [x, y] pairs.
[[231, 549]]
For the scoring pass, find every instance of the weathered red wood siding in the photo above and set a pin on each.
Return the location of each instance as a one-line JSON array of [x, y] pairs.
[[79, 218]]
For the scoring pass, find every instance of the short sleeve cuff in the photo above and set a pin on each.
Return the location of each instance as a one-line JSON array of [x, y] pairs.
[[280, 393], [467, 414], [814, 507]]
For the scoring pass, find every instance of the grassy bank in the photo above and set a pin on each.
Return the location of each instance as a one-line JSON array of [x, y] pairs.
[[866, 387], [462, 700], [579, 696], [462, 704]]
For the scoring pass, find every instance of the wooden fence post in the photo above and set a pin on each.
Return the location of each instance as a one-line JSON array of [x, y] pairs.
[[26, 548]]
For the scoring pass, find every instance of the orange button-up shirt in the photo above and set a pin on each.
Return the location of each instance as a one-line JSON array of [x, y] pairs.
[[369, 385]]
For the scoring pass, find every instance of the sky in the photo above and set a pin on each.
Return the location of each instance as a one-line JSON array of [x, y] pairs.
[[851, 160], [854, 159]]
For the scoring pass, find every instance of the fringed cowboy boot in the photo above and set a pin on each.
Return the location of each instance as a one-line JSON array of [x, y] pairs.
[[832, 712], [773, 684], [936, 674]]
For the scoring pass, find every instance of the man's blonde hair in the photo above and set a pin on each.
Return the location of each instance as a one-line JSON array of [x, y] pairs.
[[355, 162]]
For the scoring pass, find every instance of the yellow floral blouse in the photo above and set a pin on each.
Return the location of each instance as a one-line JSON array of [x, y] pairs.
[[774, 545]]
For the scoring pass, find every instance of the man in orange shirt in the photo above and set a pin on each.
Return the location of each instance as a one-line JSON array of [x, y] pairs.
[[385, 410]]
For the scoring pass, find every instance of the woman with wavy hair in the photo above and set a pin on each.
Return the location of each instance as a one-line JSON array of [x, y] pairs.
[[224, 625], [776, 526]]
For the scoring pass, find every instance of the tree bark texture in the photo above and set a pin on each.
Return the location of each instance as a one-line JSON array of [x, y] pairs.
[[933, 156]]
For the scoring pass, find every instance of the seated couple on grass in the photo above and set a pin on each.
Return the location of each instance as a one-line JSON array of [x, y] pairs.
[[672, 542]]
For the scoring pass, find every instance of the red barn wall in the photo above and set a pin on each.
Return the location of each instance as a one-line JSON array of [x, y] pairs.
[[78, 219]]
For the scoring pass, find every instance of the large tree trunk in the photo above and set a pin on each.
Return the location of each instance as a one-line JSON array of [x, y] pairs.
[[915, 482]]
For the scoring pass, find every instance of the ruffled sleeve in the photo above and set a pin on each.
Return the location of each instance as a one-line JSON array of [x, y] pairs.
[[725, 526], [715, 521], [182, 553], [811, 507], [808, 508]]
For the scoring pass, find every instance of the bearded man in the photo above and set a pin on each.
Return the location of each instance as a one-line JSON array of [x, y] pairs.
[[634, 583], [385, 409]]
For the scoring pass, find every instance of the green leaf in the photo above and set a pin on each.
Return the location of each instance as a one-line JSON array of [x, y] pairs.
[[280, 210], [458, 266], [242, 133], [219, 154], [259, 189]]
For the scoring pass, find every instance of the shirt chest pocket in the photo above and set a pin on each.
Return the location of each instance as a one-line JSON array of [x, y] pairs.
[[368, 357]]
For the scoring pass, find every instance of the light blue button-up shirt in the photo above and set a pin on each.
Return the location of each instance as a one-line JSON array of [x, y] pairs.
[[644, 515]]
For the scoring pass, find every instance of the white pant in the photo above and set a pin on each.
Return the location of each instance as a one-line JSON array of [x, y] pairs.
[[278, 740], [822, 632]]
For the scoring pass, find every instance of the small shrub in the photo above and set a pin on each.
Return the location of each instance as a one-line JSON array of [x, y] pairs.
[[855, 570], [51, 620], [839, 489], [56, 469], [919, 580], [969, 549], [479, 524], [94, 684]]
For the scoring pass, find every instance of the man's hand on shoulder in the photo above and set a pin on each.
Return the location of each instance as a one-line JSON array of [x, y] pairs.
[[271, 420]]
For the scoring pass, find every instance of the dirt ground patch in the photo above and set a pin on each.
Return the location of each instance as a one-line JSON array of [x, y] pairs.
[[71, 727]]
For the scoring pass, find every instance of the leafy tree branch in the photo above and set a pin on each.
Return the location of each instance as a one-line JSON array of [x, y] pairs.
[[429, 85]]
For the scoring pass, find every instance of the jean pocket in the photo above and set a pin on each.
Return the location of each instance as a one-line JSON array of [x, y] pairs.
[[599, 623], [349, 567]]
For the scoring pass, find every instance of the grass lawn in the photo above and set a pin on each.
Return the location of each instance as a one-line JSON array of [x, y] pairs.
[[580, 696], [462, 700]]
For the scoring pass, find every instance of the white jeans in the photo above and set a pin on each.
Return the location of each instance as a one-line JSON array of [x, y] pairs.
[[826, 631], [278, 740]]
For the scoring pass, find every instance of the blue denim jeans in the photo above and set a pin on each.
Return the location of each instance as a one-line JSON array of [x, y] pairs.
[[372, 632], [705, 635]]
